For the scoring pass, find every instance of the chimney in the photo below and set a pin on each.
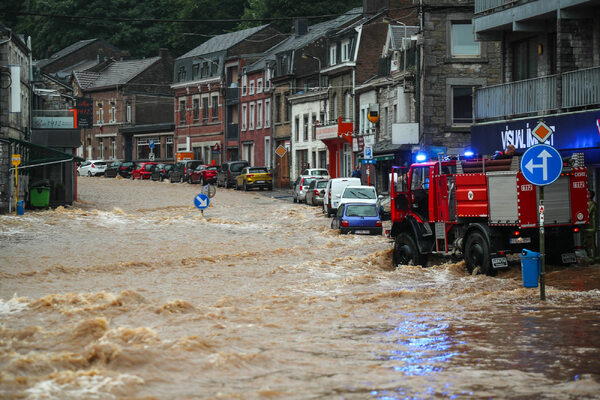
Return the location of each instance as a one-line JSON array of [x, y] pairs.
[[300, 26], [164, 53], [100, 56]]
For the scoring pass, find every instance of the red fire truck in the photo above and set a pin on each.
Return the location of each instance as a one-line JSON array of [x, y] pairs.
[[482, 210]]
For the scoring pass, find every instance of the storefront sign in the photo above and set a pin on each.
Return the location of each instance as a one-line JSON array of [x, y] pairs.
[[84, 112], [53, 122], [327, 132]]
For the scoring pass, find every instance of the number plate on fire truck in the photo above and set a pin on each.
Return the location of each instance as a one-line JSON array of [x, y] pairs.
[[499, 262]]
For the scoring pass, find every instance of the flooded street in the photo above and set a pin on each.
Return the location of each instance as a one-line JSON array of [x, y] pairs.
[[133, 293]]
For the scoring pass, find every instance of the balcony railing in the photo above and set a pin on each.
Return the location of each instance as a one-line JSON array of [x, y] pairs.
[[485, 5], [233, 131], [232, 95], [581, 87], [516, 98]]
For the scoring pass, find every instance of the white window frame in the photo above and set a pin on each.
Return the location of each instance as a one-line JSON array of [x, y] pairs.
[[113, 112], [267, 151], [259, 111], [267, 113], [101, 143], [128, 112], [100, 113], [333, 54], [113, 149], [251, 88], [244, 85], [345, 50], [244, 116], [267, 79], [259, 85], [251, 117]]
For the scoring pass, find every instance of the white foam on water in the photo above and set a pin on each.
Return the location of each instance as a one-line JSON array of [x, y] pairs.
[[12, 306]]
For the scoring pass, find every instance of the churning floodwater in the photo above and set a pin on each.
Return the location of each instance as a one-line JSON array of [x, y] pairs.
[[132, 293]]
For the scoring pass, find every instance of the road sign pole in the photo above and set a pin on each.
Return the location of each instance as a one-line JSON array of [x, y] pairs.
[[542, 246]]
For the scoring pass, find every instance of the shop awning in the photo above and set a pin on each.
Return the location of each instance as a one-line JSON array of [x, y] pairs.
[[35, 155]]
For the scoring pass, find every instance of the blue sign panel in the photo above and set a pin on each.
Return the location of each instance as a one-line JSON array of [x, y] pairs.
[[151, 144], [573, 133], [201, 201], [541, 164], [370, 161]]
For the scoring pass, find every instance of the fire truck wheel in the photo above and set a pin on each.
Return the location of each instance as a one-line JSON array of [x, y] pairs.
[[406, 252], [477, 254]]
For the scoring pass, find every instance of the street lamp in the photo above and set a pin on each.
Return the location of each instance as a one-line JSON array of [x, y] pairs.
[[304, 55]]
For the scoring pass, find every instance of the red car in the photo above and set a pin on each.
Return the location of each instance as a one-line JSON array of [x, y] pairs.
[[142, 170], [203, 174]]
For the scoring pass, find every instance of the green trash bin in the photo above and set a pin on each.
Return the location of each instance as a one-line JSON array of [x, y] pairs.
[[39, 196]]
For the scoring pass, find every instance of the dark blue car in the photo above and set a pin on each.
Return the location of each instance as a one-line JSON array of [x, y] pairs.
[[359, 218]]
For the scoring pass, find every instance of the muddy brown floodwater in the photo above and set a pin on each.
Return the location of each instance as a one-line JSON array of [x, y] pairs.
[[132, 293]]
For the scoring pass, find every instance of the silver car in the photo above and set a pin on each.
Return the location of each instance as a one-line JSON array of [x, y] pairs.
[[92, 168], [301, 187], [316, 191]]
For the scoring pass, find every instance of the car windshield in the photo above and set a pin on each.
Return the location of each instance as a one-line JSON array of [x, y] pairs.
[[193, 164], [361, 210], [127, 164], [307, 181], [212, 168], [237, 167], [321, 184], [148, 167], [115, 164], [257, 170], [359, 193], [320, 172]]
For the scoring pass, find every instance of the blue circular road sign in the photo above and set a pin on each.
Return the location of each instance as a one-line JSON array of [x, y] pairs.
[[201, 201], [541, 164]]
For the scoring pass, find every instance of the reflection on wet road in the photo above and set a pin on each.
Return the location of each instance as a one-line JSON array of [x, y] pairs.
[[132, 293]]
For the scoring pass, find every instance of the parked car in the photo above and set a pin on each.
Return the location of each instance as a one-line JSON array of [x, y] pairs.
[[254, 177], [112, 169], [333, 192], [301, 187], [126, 168], [204, 174], [359, 218], [182, 169], [160, 171], [92, 168], [228, 172], [358, 194], [316, 190], [319, 172], [142, 170]]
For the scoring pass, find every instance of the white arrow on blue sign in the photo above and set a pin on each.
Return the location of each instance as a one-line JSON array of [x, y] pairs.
[[541, 164], [151, 143], [201, 201]]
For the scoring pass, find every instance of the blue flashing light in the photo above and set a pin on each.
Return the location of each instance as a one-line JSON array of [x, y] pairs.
[[469, 153], [421, 157]]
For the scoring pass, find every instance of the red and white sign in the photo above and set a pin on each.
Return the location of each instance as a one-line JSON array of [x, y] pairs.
[[326, 132]]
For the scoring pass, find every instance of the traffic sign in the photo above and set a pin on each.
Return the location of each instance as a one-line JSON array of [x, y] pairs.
[[201, 201], [16, 159], [541, 164], [370, 161], [368, 151], [151, 143], [151, 156]]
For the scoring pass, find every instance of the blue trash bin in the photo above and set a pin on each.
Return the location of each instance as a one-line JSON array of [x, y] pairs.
[[20, 207], [531, 265]]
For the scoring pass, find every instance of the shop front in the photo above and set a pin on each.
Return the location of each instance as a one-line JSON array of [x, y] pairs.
[[338, 139]]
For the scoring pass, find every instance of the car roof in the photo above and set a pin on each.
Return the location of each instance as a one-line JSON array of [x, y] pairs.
[[359, 187]]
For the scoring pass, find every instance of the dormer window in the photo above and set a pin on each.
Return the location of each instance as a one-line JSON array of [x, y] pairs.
[[244, 85], [333, 54], [346, 50]]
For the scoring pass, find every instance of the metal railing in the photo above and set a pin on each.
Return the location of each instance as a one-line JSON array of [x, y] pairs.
[[581, 87], [515, 98], [233, 131], [232, 95], [485, 5]]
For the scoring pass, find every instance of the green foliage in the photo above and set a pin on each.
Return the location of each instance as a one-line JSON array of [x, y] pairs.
[[143, 38]]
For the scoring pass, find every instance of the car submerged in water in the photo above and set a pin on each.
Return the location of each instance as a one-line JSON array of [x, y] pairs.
[[358, 218]]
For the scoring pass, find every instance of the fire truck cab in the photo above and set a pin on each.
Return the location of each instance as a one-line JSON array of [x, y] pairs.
[[482, 210]]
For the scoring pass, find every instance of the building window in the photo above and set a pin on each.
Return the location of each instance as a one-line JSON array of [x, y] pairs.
[[288, 108], [205, 109], [463, 42], [113, 149], [334, 107], [278, 108], [259, 111], [113, 112], [181, 74], [313, 127], [346, 50], [100, 114], [128, 112], [305, 128], [267, 152], [244, 85], [297, 129], [169, 148], [462, 105], [251, 91], [244, 116], [259, 86], [181, 112], [196, 107], [267, 113], [205, 71], [333, 54], [101, 147], [268, 75], [347, 107], [195, 71], [215, 108], [248, 152], [525, 60], [251, 117]]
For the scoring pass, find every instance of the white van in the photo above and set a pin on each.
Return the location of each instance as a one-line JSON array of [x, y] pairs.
[[333, 193], [359, 194]]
